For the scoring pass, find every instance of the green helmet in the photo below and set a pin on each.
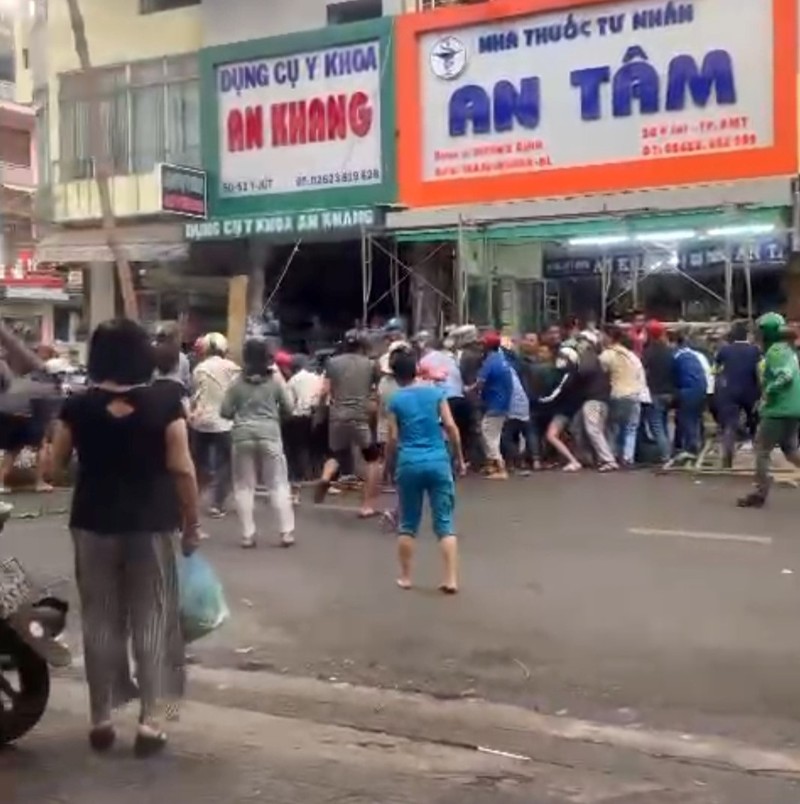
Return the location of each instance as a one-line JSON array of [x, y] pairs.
[[771, 324]]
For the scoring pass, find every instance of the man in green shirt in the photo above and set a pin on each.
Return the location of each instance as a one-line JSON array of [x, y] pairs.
[[780, 405]]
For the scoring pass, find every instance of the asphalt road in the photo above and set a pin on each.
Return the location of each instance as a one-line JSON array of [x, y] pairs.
[[632, 600]]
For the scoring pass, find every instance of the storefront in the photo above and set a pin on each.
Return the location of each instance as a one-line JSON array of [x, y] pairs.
[[616, 154], [38, 303], [298, 142]]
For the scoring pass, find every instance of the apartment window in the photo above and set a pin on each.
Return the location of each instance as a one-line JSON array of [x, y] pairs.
[[152, 6], [38, 10], [354, 11], [15, 147], [150, 113]]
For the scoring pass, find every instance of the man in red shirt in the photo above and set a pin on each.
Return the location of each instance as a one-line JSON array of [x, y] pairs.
[[638, 332]]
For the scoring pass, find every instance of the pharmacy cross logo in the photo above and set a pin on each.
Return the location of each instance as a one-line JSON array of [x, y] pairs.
[[448, 58]]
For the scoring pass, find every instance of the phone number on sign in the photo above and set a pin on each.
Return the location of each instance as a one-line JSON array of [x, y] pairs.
[[342, 177], [698, 146]]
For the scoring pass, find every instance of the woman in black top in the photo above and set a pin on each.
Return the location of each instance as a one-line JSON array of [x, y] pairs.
[[135, 490]]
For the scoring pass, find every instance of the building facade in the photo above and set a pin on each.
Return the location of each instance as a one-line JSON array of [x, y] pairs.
[[153, 61], [502, 164], [608, 155], [145, 82]]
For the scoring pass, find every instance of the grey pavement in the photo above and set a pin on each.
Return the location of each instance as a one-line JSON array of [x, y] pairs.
[[636, 601], [224, 755]]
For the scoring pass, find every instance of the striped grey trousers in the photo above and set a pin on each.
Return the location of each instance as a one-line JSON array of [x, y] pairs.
[[128, 586]]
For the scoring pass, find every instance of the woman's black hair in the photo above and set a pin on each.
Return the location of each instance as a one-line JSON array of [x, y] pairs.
[[167, 353], [403, 364], [256, 357], [120, 351]]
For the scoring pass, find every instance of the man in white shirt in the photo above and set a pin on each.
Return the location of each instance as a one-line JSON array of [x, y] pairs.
[[628, 392], [211, 434], [305, 391]]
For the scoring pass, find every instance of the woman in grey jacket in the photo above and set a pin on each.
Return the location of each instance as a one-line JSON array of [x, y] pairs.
[[255, 404]]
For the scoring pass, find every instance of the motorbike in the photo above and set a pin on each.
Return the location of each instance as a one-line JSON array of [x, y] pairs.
[[31, 626]]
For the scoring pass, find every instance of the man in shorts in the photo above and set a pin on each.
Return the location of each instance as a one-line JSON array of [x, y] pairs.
[[349, 382]]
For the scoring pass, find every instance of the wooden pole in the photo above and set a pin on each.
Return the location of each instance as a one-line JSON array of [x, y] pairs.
[[102, 166]]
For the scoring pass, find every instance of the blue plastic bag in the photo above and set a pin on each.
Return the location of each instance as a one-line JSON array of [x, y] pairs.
[[202, 601]]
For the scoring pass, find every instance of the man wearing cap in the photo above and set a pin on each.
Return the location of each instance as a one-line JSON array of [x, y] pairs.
[[211, 434], [349, 382], [780, 405], [496, 386]]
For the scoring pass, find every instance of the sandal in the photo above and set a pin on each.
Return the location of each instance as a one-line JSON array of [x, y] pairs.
[[448, 590], [403, 584], [149, 743], [572, 467], [102, 738]]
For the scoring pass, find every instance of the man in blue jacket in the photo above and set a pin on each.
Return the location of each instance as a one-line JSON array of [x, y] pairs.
[[496, 384], [691, 388]]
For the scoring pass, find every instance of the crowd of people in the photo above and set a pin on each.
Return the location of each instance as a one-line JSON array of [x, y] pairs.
[[152, 433]]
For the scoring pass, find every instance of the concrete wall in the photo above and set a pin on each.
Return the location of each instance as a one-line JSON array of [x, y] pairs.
[[227, 21]]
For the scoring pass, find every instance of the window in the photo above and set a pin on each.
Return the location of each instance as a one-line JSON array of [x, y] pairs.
[[152, 6], [15, 147], [149, 113], [354, 11]]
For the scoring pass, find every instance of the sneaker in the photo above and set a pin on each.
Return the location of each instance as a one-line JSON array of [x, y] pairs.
[[248, 542], [217, 513], [287, 540]]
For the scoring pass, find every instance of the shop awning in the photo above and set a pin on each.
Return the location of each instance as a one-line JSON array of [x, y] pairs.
[[609, 225], [150, 242]]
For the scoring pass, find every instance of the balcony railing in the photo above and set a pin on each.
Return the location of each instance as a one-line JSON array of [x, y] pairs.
[[63, 197]]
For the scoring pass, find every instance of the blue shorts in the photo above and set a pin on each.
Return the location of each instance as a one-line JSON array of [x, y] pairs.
[[413, 481]]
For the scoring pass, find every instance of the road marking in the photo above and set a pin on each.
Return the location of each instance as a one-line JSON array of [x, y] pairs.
[[743, 538]]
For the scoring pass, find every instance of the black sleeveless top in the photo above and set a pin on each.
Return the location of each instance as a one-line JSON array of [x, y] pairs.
[[123, 484]]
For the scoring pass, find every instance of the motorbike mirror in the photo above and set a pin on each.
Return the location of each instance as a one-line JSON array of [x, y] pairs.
[[5, 513]]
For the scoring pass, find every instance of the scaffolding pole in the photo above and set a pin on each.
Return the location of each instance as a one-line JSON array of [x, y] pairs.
[[748, 282], [366, 275]]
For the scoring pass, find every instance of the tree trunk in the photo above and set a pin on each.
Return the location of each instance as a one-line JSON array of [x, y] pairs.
[[102, 167]]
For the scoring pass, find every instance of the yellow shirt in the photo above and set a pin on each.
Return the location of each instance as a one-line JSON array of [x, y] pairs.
[[625, 371]]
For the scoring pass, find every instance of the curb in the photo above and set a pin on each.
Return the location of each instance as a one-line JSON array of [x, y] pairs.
[[468, 723]]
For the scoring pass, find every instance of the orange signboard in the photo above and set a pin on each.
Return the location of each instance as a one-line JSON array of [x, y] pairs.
[[545, 98]]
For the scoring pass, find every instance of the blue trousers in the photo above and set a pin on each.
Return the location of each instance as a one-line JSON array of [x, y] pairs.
[[689, 420], [414, 481]]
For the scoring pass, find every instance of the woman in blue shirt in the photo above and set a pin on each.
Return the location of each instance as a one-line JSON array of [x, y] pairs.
[[417, 414]]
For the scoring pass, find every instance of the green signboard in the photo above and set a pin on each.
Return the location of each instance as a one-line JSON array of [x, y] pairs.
[[303, 121], [290, 226]]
